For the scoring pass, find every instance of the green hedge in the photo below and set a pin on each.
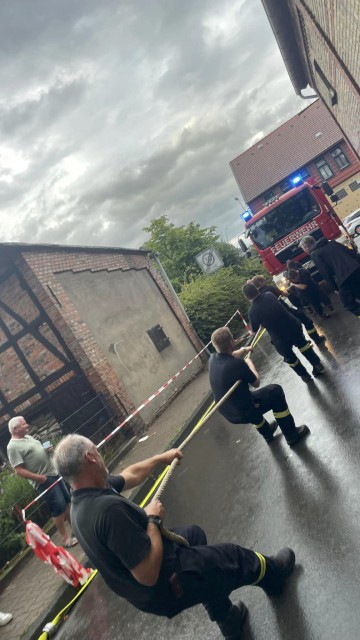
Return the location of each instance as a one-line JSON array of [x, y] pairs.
[[211, 300]]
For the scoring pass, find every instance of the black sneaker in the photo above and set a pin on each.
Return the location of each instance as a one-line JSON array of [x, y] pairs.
[[231, 627], [301, 432], [319, 339], [279, 569], [318, 369]]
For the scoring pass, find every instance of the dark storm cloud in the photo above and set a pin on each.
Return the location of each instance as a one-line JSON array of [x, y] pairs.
[[114, 113]]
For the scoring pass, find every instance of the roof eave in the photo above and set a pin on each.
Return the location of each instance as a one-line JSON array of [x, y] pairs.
[[282, 23], [21, 247]]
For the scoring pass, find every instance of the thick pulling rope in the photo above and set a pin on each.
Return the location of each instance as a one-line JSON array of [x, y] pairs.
[[170, 535]]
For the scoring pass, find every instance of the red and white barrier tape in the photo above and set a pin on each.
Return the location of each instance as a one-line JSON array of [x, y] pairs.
[[144, 404]]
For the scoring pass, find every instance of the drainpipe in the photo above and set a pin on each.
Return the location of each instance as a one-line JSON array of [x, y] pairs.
[[155, 257]]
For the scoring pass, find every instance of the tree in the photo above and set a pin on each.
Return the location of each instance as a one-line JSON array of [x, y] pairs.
[[177, 248], [211, 300]]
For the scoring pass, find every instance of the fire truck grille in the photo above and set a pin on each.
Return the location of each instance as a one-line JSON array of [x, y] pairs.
[[293, 251]]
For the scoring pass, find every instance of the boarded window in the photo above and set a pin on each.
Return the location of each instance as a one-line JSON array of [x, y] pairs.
[[158, 337]]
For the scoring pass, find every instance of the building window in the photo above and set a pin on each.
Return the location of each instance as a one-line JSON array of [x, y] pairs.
[[304, 173], [324, 169], [286, 185], [340, 158], [341, 194], [268, 195], [158, 337], [354, 185]]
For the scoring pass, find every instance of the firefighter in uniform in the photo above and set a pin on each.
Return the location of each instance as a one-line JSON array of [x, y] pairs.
[[243, 406], [156, 575], [284, 330], [263, 287]]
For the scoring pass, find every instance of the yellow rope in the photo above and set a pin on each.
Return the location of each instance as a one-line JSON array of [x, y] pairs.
[[210, 412], [49, 628]]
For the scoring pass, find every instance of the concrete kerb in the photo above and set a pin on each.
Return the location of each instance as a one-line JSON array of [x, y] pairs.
[[66, 592]]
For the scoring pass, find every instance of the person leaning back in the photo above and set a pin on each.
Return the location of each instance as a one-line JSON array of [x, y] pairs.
[[156, 575], [243, 406]]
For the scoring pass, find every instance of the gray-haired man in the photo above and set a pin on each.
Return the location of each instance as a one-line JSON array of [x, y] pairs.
[[340, 266], [31, 461], [125, 543]]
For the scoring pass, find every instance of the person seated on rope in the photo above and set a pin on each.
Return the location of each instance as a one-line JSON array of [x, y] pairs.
[[263, 287], [124, 542], [243, 406]]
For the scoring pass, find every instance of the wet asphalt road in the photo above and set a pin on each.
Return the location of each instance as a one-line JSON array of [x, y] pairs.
[[241, 490]]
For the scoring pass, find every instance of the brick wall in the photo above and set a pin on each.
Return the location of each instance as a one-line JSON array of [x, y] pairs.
[[39, 268], [330, 34]]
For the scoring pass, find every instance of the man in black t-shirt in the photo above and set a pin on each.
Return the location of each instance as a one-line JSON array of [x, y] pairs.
[[263, 287], [243, 406], [284, 330], [124, 542]]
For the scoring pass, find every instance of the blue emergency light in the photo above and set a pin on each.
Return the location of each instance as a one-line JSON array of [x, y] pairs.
[[296, 180], [247, 215]]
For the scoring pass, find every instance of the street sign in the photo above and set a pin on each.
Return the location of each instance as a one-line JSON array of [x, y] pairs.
[[209, 260]]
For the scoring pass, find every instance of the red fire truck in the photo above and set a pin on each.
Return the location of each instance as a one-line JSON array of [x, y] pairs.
[[276, 229]]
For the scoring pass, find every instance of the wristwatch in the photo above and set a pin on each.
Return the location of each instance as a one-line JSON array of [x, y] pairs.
[[155, 520]]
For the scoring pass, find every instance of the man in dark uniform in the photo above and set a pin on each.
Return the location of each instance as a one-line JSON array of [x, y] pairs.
[[284, 330], [305, 278], [310, 291], [340, 266], [153, 573], [263, 287], [243, 406]]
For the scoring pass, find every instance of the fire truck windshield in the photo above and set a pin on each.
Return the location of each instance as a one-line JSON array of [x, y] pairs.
[[284, 218]]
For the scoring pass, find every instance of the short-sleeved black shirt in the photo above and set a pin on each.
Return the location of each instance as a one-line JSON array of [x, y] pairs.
[[267, 311], [224, 371], [312, 288], [113, 533]]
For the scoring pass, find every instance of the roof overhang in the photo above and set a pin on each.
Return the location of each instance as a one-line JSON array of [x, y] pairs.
[[283, 25]]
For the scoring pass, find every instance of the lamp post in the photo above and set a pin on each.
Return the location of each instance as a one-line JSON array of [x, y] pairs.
[[240, 203]]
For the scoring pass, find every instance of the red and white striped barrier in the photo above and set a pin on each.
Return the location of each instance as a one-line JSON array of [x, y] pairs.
[[144, 404]]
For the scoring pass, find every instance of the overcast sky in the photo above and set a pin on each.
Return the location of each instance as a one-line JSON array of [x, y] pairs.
[[115, 112]]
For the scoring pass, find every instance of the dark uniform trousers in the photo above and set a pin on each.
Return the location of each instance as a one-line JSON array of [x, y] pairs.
[[285, 345], [300, 315], [207, 574], [350, 291], [271, 398]]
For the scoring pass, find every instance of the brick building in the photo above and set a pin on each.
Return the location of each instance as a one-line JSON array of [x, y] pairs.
[[320, 43], [86, 335], [310, 144]]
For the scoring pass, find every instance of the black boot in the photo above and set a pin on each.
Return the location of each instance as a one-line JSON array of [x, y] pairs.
[[231, 626], [267, 430], [273, 426], [318, 369], [318, 339], [278, 569], [301, 432]]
